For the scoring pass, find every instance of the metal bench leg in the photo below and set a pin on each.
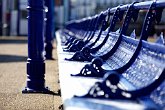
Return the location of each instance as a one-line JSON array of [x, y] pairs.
[[83, 55], [92, 70]]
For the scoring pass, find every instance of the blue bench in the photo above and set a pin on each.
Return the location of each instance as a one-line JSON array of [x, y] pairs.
[[140, 80], [75, 46], [134, 77], [85, 26], [123, 53], [111, 42]]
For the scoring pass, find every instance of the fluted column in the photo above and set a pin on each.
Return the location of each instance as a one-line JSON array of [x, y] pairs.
[[36, 60]]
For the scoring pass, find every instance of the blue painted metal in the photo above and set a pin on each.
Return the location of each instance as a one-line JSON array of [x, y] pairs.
[[150, 17], [118, 15], [89, 30], [96, 27], [104, 26], [113, 77], [142, 5], [130, 14], [82, 25], [36, 59], [85, 53], [79, 44], [49, 32]]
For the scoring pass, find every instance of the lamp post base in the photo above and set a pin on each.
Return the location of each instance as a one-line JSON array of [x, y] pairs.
[[42, 90], [48, 50]]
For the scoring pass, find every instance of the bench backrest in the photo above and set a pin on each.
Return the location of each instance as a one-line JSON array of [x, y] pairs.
[[148, 66], [111, 41], [104, 26], [114, 57], [96, 24], [99, 46], [130, 14], [123, 54]]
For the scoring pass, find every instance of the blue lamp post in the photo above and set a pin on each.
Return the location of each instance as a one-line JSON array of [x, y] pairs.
[[49, 32], [36, 59]]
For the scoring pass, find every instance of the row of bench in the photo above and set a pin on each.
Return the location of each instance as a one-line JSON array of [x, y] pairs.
[[99, 68]]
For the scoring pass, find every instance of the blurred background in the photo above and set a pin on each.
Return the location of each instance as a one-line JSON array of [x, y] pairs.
[[13, 13]]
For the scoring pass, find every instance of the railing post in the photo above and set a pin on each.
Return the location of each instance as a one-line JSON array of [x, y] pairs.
[[0, 17], [36, 60], [49, 32]]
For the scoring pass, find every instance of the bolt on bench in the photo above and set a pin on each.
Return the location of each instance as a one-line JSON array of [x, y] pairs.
[[123, 73]]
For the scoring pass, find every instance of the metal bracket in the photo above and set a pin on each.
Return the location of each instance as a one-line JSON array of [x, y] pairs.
[[92, 70], [78, 56], [80, 44], [86, 51], [153, 14], [83, 55], [71, 39], [118, 14], [130, 14]]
